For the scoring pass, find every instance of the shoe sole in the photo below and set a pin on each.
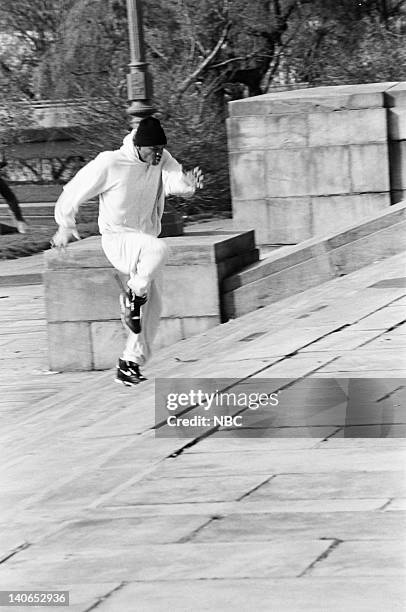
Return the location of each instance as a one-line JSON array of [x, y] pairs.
[[126, 383]]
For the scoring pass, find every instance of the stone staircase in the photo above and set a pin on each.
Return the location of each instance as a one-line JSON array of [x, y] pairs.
[[293, 269]]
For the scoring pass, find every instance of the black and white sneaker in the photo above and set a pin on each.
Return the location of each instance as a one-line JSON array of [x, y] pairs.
[[130, 305], [128, 373]]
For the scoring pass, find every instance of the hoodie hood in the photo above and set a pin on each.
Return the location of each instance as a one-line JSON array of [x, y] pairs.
[[128, 148]]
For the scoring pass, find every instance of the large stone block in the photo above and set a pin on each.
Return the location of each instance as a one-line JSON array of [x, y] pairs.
[[347, 127], [198, 325], [397, 123], [358, 253], [247, 174], [329, 170], [329, 213], [87, 294], [287, 173], [184, 296], [247, 133], [107, 338], [397, 156], [282, 284], [172, 330], [88, 251], [396, 95], [169, 331], [288, 219], [269, 132], [69, 346], [398, 196], [252, 213], [369, 165], [285, 131], [316, 142]]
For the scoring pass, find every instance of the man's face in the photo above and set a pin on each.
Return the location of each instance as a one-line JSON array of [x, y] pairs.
[[151, 155]]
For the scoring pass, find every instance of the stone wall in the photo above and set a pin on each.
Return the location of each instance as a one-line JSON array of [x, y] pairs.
[[303, 163]]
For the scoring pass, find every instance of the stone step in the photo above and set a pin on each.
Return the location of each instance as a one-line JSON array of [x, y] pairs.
[[296, 268]]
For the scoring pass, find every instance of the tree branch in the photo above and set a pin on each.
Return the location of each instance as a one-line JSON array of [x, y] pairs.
[[239, 59], [189, 80], [156, 51]]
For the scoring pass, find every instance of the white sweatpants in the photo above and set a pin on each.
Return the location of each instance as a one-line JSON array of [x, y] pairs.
[[142, 257]]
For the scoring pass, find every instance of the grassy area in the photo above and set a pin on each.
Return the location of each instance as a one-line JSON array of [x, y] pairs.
[[36, 240]]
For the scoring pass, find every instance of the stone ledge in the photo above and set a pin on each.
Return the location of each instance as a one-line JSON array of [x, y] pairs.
[[294, 269], [292, 255], [190, 248], [318, 99]]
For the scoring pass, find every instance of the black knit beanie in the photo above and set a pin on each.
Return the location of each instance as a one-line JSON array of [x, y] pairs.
[[149, 133]]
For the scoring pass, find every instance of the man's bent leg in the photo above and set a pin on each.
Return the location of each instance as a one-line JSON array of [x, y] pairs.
[[138, 348], [141, 257], [151, 258]]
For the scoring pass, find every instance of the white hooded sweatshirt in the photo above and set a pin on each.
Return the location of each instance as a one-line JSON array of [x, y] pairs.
[[131, 192]]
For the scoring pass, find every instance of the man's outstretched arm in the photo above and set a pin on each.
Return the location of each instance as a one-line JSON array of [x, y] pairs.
[[177, 182], [89, 182]]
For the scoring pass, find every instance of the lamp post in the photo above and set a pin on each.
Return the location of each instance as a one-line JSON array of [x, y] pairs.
[[139, 80], [139, 90]]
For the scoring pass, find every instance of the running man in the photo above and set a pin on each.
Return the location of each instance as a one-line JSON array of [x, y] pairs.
[[131, 183]]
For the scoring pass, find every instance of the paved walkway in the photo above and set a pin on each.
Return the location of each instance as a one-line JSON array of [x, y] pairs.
[[301, 514]]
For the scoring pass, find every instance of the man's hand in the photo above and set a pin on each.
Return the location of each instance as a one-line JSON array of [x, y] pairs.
[[195, 177], [63, 236]]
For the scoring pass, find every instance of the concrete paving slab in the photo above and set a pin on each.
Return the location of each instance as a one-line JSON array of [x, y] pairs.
[[341, 485], [378, 558], [284, 595], [238, 442], [395, 434], [378, 373], [300, 365], [187, 490], [344, 340], [117, 534], [392, 340], [383, 319], [86, 487], [312, 461], [396, 437], [233, 368], [368, 360], [304, 526], [396, 504], [222, 508], [169, 561], [281, 342]]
